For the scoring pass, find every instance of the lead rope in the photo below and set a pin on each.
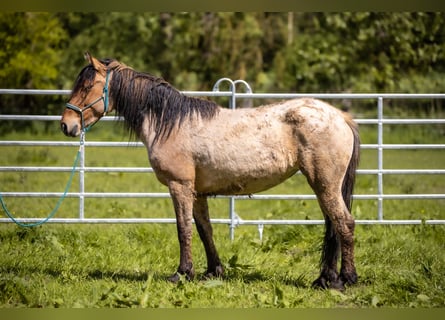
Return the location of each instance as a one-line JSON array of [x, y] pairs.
[[59, 202]]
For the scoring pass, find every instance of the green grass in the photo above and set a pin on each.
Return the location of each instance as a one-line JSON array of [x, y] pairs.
[[126, 265]]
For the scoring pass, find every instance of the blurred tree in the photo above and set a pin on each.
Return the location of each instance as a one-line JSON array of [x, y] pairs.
[[29, 58], [31, 50], [285, 52], [366, 52], [127, 36]]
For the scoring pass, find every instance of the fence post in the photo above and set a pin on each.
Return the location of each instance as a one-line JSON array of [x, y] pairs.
[[380, 158], [82, 177], [232, 105]]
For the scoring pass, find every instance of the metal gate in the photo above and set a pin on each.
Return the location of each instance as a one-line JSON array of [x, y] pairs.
[[233, 219]]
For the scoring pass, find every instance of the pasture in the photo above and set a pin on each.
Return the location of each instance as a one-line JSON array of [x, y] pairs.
[[127, 265]]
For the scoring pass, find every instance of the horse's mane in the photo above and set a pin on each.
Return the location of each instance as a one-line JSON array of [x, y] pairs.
[[136, 95]]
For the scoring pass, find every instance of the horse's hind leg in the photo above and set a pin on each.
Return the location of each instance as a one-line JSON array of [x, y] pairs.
[[330, 251], [202, 221], [339, 233]]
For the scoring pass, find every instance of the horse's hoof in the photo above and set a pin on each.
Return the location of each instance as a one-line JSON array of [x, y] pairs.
[[337, 285], [218, 272], [176, 277], [349, 278], [323, 284], [320, 283]]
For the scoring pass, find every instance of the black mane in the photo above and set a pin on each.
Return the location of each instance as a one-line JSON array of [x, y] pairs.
[[136, 95]]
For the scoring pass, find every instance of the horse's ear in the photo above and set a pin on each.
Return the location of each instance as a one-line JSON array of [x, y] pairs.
[[96, 63]]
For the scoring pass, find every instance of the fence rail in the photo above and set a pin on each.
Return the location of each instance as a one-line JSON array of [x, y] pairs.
[[233, 219]]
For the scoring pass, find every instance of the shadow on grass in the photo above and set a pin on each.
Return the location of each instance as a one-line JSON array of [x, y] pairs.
[[254, 276], [95, 275], [126, 275], [246, 276]]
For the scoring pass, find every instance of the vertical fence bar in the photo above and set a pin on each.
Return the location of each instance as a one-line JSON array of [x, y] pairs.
[[380, 158], [233, 216], [82, 177], [232, 105], [232, 199]]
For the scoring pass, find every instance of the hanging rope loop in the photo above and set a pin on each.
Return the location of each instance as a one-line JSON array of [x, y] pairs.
[[59, 202]]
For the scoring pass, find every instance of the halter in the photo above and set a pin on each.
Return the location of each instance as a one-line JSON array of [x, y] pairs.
[[80, 111]]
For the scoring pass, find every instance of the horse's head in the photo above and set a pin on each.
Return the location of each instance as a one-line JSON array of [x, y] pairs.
[[89, 99]]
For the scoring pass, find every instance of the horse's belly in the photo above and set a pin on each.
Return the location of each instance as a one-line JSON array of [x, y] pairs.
[[247, 163], [240, 182]]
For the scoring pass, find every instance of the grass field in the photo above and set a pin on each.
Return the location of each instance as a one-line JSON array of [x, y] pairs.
[[126, 265]]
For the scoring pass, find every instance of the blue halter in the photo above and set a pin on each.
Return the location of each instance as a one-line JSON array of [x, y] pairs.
[[80, 111]]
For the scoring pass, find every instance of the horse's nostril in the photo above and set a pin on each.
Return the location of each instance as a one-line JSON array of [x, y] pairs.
[[64, 128]]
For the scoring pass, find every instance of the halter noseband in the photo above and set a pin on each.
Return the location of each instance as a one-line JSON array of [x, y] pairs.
[[80, 111]]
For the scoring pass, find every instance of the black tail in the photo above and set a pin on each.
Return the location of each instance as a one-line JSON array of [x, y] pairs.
[[349, 179]]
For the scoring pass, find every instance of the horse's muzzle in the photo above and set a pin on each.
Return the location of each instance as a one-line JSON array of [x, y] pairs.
[[73, 132]]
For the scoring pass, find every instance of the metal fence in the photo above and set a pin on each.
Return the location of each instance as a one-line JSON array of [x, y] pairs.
[[233, 219]]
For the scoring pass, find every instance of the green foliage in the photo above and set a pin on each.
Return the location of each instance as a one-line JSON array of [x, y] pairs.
[[30, 58], [129, 37], [187, 49], [31, 50], [303, 52], [367, 52]]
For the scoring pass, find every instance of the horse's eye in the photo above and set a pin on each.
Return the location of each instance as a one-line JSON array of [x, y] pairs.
[[87, 89]]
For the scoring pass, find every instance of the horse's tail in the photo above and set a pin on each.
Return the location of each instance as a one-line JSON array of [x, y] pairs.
[[349, 179]]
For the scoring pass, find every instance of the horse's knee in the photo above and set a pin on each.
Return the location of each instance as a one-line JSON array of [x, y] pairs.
[[349, 222]]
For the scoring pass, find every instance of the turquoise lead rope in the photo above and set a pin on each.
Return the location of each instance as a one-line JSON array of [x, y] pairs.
[[80, 111], [56, 208]]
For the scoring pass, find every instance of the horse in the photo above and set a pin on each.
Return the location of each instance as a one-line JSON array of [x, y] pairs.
[[199, 149]]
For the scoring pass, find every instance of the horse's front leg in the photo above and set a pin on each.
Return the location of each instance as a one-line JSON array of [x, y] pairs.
[[183, 195], [202, 221]]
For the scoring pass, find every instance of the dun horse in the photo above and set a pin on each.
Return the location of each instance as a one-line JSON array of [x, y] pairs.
[[199, 149]]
